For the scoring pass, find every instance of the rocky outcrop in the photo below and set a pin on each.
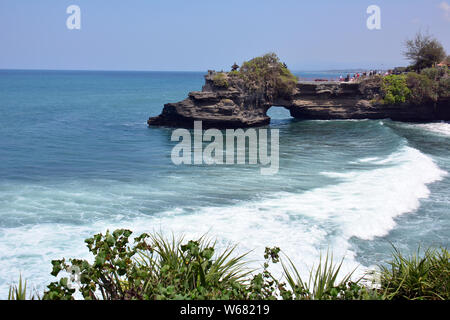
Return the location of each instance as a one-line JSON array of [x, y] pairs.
[[230, 104], [330, 101], [217, 107]]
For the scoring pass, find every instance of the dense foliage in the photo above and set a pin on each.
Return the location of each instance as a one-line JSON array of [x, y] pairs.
[[150, 268], [267, 74], [153, 267], [395, 89], [426, 87], [444, 88], [423, 90], [425, 81], [156, 268]]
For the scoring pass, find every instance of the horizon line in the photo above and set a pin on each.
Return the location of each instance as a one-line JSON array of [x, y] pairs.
[[192, 71]]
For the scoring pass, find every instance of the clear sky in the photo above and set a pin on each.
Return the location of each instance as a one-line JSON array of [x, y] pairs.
[[210, 34]]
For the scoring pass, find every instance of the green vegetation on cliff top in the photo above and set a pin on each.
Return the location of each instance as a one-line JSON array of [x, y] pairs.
[[265, 74], [426, 87]]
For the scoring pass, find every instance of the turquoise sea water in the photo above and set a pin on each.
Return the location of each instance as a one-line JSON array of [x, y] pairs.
[[77, 158]]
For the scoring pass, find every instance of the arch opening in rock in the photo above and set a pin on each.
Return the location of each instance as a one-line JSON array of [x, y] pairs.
[[279, 113]]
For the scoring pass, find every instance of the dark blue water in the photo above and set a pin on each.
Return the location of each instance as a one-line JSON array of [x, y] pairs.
[[77, 158]]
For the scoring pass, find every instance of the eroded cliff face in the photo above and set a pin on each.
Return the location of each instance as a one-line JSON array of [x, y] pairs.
[[330, 101], [235, 106], [217, 106]]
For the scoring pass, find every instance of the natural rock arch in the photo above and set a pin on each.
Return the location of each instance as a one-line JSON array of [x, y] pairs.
[[276, 112], [229, 104]]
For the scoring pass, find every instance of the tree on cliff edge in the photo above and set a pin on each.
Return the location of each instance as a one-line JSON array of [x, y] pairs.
[[424, 51], [267, 74]]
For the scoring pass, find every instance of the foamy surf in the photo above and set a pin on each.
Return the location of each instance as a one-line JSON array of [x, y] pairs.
[[361, 204], [442, 128], [439, 128]]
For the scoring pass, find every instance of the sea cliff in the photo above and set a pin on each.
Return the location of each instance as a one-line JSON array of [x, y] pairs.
[[229, 103]]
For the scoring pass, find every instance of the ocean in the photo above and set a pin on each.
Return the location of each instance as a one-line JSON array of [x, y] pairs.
[[77, 158]]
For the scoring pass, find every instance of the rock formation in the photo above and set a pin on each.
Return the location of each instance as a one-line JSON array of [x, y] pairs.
[[229, 103]]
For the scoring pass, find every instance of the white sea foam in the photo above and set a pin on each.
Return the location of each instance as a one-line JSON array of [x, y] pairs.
[[370, 159], [362, 204], [439, 128], [442, 128]]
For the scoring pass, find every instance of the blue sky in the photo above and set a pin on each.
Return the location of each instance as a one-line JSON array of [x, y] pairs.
[[209, 34]]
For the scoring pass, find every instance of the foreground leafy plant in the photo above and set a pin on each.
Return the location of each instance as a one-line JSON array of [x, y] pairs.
[[154, 267], [151, 268], [190, 271], [19, 291], [417, 277], [323, 282]]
